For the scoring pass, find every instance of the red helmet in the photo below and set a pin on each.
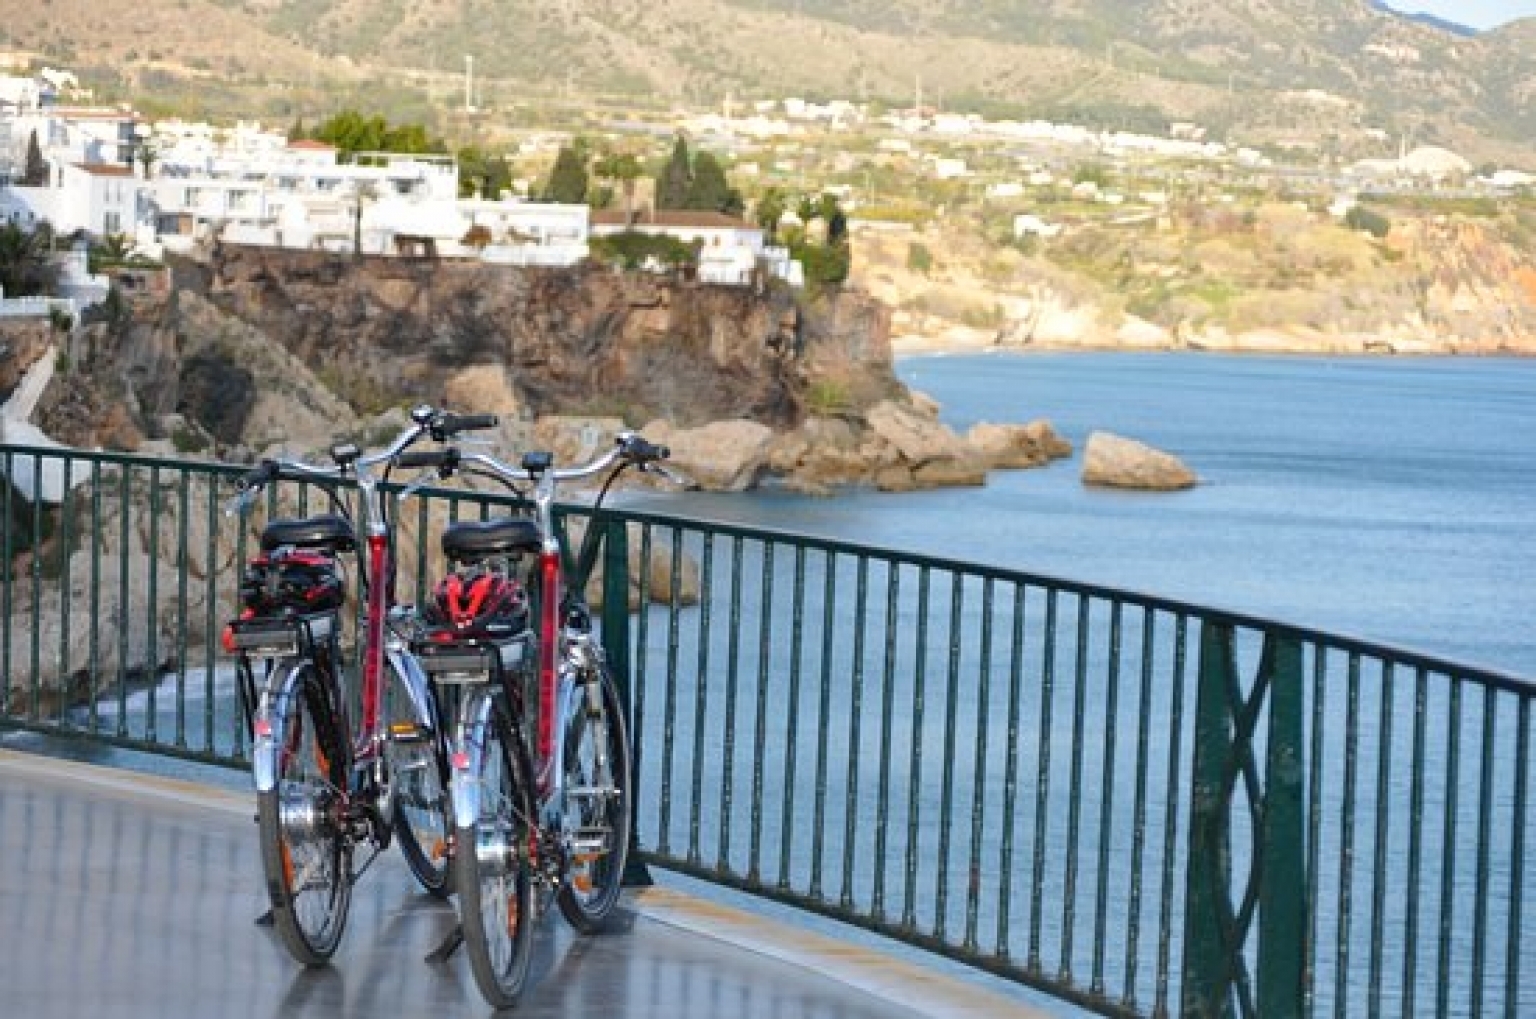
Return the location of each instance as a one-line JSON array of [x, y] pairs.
[[478, 602]]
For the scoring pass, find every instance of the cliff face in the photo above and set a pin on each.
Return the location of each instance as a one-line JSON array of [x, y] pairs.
[[385, 332]]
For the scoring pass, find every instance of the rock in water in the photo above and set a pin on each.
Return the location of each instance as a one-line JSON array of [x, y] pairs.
[[1118, 462]]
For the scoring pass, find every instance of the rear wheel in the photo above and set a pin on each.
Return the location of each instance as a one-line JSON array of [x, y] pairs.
[[597, 791], [421, 810], [491, 864], [304, 851]]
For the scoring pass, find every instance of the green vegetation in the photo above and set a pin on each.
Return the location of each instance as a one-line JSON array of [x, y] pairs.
[[632, 249], [695, 182], [568, 180], [353, 132], [827, 397], [1368, 221], [26, 266]]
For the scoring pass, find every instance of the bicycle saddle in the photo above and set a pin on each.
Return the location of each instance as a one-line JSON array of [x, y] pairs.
[[472, 539], [329, 531]]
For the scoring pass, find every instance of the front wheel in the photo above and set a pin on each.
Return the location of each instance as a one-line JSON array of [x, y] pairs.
[[417, 768], [304, 850], [493, 874], [598, 792]]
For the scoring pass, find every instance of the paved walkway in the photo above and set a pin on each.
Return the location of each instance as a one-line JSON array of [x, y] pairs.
[[125, 896]]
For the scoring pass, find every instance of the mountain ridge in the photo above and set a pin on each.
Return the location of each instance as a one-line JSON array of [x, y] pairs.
[[1114, 62]]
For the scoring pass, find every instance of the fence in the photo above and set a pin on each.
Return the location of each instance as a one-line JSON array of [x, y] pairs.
[[1142, 806]]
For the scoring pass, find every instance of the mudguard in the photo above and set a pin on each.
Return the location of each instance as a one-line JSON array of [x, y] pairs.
[[468, 754], [267, 726], [416, 685]]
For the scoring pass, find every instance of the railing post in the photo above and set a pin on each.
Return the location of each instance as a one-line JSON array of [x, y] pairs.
[[615, 618], [1282, 853], [1215, 977], [1206, 985]]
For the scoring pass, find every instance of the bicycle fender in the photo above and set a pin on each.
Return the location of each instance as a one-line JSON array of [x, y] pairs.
[[267, 735], [467, 758], [410, 672]]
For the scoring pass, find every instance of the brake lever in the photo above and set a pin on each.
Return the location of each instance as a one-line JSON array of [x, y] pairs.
[[237, 505], [676, 477]]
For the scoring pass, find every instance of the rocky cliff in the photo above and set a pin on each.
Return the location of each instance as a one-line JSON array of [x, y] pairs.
[[257, 348]]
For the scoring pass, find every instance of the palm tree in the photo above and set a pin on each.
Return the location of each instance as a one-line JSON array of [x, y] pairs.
[[626, 169], [26, 261]]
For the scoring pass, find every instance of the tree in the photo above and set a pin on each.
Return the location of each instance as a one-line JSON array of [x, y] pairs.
[[709, 188], [35, 172], [568, 180], [676, 178], [626, 169], [26, 261], [770, 209], [482, 173]]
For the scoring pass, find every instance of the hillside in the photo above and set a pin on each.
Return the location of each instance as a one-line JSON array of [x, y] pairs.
[[1113, 62]]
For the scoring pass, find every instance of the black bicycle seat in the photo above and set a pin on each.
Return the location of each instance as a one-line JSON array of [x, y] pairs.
[[328, 531], [472, 539]]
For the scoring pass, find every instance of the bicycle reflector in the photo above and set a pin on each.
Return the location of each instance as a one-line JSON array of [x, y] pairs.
[[478, 602]]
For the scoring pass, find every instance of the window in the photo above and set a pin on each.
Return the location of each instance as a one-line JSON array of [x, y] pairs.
[[112, 223]]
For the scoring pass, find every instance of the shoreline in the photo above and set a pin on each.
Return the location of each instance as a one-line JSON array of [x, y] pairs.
[[924, 346]]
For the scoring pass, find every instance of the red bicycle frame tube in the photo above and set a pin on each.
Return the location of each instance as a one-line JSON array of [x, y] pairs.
[[373, 633], [549, 640]]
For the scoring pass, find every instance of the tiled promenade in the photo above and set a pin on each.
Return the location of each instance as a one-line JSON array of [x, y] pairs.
[[126, 896]]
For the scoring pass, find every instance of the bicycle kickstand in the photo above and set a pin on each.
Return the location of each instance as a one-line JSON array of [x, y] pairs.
[[450, 945]]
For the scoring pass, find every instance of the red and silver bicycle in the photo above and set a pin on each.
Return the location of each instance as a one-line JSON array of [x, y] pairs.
[[326, 788], [541, 768]]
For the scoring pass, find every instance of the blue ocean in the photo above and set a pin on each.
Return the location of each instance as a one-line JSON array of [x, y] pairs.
[[1387, 499]]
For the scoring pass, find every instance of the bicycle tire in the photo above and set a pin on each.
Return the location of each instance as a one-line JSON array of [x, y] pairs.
[[305, 853], [422, 813], [493, 873], [598, 803]]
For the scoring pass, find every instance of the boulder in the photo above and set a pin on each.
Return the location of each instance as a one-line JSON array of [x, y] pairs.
[[1014, 446], [1118, 462], [917, 437], [724, 456]]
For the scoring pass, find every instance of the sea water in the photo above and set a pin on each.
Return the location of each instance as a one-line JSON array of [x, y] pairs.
[[1388, 499]]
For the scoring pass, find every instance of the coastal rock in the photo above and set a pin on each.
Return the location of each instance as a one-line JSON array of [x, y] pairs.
[[724, 456], [1116, 462], [482, 389], [1003, 446], [908, 450]]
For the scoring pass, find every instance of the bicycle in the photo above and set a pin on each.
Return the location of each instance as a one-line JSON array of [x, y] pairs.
[[325, 788], [541, 767]]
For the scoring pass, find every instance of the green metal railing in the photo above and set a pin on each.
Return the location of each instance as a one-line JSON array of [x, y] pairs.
[[1142, 806]]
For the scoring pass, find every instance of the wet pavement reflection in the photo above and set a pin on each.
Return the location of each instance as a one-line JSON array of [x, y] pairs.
[[125, 896]]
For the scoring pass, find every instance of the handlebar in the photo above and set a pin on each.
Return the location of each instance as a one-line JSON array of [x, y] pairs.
[[425, 420], [446, 425]]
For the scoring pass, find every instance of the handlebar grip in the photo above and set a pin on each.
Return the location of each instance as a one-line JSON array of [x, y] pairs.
[[264, 472], [641, 450], [425, 458], [448, 424]]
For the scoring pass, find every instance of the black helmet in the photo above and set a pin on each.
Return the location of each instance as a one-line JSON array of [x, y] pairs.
[[293, 582]]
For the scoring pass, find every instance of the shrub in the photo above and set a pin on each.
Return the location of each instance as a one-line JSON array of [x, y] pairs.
[[1368, 221]]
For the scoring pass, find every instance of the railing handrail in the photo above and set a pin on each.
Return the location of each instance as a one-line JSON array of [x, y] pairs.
[[984, 762]]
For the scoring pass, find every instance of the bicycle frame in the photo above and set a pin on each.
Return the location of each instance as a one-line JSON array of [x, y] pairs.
[[561, 649], [367, 742]]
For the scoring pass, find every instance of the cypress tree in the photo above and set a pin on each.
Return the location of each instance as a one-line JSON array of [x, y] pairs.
[[568, 180], [676, 179], [35, 173], [709, 188]]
